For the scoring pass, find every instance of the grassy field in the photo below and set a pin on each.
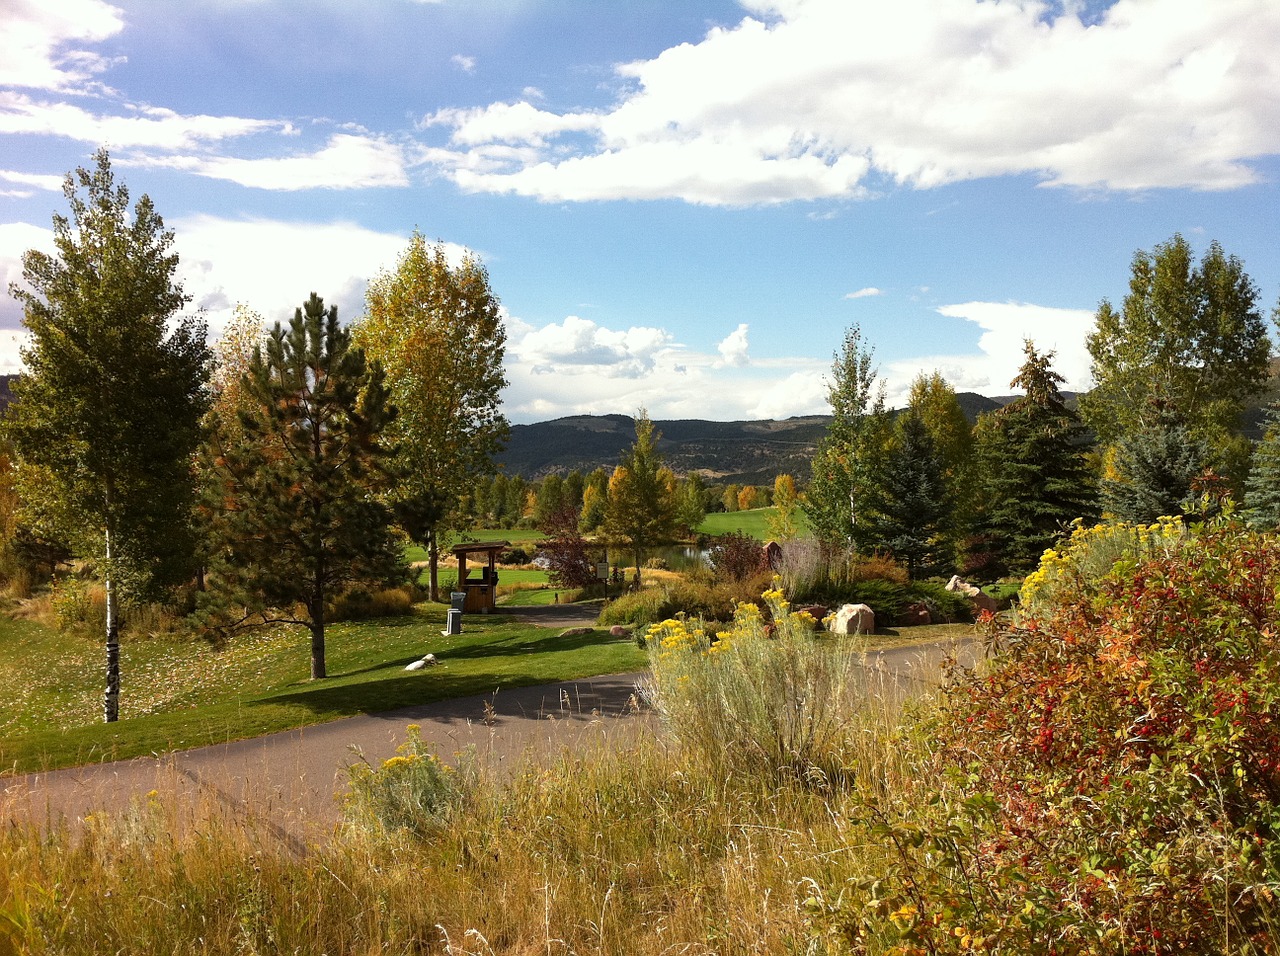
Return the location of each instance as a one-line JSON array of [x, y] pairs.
[[184, 693], [754, 522]]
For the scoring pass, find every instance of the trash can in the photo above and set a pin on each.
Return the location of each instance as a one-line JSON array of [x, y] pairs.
[[457, 600]]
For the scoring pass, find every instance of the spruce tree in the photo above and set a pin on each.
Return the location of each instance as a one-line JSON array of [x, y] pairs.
[[1262, 491], [915, 505], [1152, 470], [1032, 473], [293, 499], [108, 412]]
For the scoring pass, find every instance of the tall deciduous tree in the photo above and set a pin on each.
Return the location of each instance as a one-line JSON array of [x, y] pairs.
[[110, 407], [782, 523], [1034, 480], [641, 507], [846, 472], [437, 330], [1188, 336], [293, 501]]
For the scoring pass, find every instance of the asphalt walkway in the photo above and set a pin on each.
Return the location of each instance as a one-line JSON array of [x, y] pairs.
[[294, 780]]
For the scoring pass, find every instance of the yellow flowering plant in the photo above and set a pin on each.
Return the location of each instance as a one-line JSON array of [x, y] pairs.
[[769, 693], [410, 791]]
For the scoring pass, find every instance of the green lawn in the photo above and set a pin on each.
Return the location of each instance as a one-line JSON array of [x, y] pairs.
[[179, 694]]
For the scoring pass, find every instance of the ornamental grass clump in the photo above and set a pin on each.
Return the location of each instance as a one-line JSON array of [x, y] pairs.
[[411, 792], [1110, 784], [770, 694]]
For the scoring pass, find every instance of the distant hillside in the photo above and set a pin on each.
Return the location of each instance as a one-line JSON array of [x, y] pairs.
[[749, 452]]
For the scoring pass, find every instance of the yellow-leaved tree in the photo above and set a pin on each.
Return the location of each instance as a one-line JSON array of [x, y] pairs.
[[436, 329]]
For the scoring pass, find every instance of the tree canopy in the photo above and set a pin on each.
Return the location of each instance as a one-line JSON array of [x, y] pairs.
[[109, 409], [1188, 336], [641, 507], [437, 331]]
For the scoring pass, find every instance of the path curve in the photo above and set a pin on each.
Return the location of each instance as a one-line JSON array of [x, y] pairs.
[[294, 780]]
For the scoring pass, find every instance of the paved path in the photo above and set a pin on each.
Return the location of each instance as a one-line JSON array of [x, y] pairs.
[[294, 779]]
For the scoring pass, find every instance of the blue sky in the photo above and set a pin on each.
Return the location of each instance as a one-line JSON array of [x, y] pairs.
[[682, 205]]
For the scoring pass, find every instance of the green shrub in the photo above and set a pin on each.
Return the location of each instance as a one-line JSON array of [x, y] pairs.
[[758, 698], [944, 606], [652, 604], [412, 791]]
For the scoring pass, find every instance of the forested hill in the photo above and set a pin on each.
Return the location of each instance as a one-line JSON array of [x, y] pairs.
[[738, 452]]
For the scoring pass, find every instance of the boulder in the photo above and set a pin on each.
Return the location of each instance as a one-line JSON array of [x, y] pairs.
[[816, 611], [978, 600], [428, 661], [984, 602], [915, 615], [961, 586], [854, 619], [619, 631]]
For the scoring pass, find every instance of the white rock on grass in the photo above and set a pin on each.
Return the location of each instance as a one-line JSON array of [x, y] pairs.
[[428, 661]]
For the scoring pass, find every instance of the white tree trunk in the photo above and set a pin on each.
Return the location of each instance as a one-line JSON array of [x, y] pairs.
[[111, 699]]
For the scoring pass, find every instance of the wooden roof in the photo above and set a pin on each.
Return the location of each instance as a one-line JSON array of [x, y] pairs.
[[472, 547]]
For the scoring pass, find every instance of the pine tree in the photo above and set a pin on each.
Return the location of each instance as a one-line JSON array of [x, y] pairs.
[[293, 502], [109, 410], [1032, 473], [915, 505]]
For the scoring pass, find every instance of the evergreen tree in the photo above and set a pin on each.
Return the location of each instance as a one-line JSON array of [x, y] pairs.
[[846, 467], [293, 499], [1033, 476], [1152, 471], [641, 509], [109, 410], [1262, 494], [915, 505]]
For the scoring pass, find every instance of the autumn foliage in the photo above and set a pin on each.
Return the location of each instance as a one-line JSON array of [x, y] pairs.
[[1112, 778]]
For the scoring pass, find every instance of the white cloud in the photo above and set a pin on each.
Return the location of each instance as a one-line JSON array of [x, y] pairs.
[[864, 293], [346, 162], [38, 180], [41, 44], [733, 348], [144, 127], [577, 366], [1005, 326], [1155, 93], [467, 64], [272, 266]]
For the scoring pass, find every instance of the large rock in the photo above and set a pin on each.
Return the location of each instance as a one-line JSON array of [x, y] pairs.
[[978, 599], [854, 619]]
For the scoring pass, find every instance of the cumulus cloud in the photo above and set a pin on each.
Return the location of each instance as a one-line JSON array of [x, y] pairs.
[[222, 263], [345, 162], [578, 366], [1146, 94], [733, 348], [43, 45], [1005, 326], [864, 293]]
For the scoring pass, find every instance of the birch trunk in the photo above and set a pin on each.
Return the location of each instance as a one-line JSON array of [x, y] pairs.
[[111, 698]]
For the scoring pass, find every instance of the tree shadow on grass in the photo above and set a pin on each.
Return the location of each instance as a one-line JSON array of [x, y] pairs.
[[520, 644], [395, 693]]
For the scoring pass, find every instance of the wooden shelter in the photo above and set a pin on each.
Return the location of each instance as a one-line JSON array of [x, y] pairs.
[[481, 592]]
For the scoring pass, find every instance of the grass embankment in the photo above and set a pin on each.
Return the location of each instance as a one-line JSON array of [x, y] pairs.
[[183, 693]]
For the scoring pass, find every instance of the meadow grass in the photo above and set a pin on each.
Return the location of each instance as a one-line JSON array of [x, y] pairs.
[[180, 693], [754, 522]]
